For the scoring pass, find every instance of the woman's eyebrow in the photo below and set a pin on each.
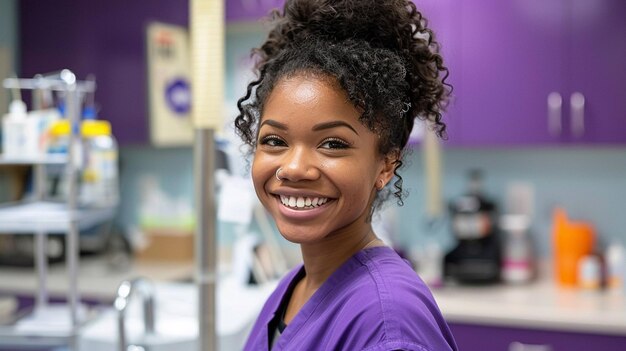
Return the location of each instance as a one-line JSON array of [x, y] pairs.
[[333, 124], [274, 123]]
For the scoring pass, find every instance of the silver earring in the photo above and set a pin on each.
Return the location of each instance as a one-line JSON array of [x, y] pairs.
[[278, 171]]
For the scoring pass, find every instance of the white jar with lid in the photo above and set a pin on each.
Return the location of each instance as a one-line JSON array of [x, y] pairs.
[[517, 256], [100, 185]]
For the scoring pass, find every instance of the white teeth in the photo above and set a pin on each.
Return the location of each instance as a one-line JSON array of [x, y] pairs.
[[302, 202]]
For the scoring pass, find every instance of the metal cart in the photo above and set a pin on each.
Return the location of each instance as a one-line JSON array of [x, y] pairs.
[[51, 325]]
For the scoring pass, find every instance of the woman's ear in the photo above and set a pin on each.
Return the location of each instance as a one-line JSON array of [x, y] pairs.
[[390, 163]]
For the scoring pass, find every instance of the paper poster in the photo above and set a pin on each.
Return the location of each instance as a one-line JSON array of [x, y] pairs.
[[169, 85], [236, 200]]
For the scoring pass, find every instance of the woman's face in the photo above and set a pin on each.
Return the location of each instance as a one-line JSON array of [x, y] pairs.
[[329, 161]]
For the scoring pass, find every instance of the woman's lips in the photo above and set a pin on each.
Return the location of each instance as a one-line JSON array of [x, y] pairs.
[[305, 212], [302, 202]]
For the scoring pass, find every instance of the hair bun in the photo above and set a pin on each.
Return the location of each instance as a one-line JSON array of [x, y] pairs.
[[374, 21]]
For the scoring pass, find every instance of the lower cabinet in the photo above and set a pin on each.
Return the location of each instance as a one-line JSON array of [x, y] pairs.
[[489, 338]]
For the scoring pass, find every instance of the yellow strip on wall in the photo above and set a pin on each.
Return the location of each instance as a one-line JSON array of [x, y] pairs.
[[207, 62]]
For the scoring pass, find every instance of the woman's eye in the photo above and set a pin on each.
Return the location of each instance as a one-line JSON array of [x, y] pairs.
[[334, 144], [273, 140]]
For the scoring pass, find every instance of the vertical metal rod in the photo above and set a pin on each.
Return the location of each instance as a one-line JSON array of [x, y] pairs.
[[41, 239], [40, 181], [41, 263], [73, 107], [40, 168], [205, 245]]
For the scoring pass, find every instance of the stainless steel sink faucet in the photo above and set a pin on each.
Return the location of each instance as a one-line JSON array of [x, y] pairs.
[[124, 293]]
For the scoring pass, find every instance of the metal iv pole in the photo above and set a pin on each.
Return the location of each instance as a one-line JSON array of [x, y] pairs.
[[207, 76]]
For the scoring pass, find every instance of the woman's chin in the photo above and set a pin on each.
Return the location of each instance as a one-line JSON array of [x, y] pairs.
[[299, 236]]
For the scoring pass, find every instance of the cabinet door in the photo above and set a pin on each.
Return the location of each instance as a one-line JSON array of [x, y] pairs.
[[487, 338], [512, 59], [443, 18], [597, 55]]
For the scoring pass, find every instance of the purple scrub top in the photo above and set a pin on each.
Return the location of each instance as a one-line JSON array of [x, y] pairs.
[[374, 302]]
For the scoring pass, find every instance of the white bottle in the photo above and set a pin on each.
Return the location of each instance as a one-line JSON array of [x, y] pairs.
[[518, 258], [100, 185], [14, 130], [40, 124], [430, 264], [589, 272], [615, 266]]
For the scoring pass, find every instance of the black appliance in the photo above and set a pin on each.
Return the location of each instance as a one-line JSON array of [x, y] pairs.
[[477, 257]]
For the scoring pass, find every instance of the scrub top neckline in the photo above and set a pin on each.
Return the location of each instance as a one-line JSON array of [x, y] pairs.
[[334, 281]]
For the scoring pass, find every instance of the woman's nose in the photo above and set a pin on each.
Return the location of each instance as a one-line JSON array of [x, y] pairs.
[[299, 165]]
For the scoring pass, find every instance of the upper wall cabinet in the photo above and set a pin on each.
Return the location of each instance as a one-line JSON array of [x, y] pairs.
[[442, 18], [511, 60], [595, 90], [107, 39], [541, 72]]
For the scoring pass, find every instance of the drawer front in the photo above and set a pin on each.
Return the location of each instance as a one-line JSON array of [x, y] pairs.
[[488, 338]]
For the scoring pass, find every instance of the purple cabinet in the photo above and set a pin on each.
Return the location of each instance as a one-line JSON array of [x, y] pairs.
[[107, 38], [489, 338], [535, 72], [104, 38], [443, 17], [597, 57], [511, 60]]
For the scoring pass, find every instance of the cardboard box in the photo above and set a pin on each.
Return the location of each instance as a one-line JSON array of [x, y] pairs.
[[167, 245]]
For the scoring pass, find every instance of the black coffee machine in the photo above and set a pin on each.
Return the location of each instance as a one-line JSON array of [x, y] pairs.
[[477, 257]]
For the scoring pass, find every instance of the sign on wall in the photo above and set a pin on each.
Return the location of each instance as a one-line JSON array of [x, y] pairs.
[[169, 89]]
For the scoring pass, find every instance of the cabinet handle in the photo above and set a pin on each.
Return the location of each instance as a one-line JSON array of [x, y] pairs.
[[554, 113], [518, 346], [577, 105]]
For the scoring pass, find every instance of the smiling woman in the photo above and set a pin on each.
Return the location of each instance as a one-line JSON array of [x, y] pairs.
[[332, 109], [312, 132]]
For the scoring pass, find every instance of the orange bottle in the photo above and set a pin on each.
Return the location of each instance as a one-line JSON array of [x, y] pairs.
[[572, 241]]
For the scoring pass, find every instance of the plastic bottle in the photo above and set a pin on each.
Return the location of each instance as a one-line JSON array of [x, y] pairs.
[[59, 137], [589, 272], [572, 241], [517, 260], [40, 124], [615, 266], [14, 130], [100, 176]]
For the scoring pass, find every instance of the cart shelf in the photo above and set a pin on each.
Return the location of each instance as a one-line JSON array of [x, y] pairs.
[[42, 160], [50, 217]]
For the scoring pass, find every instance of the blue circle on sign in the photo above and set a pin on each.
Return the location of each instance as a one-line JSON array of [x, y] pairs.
[[178, 96]]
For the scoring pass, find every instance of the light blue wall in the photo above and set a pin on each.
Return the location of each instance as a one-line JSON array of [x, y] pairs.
[[8, 40], [171, 167], [9, 24], [590, 183]]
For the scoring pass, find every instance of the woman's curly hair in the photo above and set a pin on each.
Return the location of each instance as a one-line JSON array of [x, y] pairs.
[[380, 52]]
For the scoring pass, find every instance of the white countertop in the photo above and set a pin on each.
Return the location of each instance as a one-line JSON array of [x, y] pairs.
[[95, 278], [538, 305]]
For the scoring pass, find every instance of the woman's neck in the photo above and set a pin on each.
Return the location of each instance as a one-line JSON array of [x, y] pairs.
[[323, 258]]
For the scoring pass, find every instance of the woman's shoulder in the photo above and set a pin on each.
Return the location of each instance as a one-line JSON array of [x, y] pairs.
[[391, 295], [391, 275]]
